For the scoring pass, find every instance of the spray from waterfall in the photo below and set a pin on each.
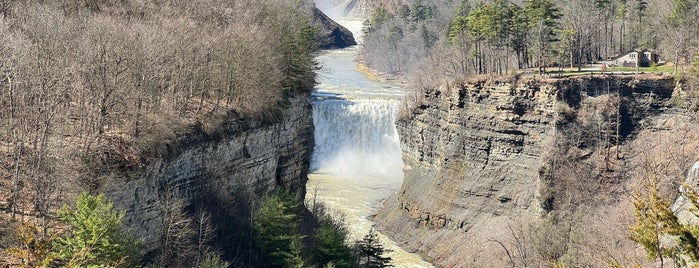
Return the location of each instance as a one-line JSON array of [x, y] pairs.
[[357, 138]]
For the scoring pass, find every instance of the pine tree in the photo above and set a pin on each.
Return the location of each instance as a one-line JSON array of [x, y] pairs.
[[95, 236], [371, 251], [213, 261], [543, 18], [330, 247], [656, 220], [276, 225]]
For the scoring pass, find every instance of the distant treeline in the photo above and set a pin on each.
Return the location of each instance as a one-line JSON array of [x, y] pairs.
[[92, 86], [445, 39]]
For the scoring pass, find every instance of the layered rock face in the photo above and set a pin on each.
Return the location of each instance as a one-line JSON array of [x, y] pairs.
[[473, 155], [242, 161]]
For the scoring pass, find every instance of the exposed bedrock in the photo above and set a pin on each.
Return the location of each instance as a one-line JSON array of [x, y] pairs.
[[238, 163], [474, 153]]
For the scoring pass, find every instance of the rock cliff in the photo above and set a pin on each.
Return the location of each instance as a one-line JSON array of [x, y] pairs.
[[241, 161], [474, 155], [331, 34]]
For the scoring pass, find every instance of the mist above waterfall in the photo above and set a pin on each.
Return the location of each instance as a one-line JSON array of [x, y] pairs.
[[354, 119], [356, 138]]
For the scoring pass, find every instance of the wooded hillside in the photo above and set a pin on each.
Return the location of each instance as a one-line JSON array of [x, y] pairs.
[[92, 87], [446, 39]]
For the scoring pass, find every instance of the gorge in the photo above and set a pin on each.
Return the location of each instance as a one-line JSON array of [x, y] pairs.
[[462, 166], [483, 163], [356, 161], [507, 163]]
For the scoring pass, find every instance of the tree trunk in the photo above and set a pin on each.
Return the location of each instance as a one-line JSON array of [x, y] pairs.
[[621, 37], [16, 181], [618, 119], [677, 59], [579, 55]]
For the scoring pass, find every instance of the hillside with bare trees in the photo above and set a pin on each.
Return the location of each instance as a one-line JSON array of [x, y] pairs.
[[98, 87]]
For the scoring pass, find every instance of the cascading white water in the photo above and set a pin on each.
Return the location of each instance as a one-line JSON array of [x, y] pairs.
[[354, 119], [356, 161], [356, 138]]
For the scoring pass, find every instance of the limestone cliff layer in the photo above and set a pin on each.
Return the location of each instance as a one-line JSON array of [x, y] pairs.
[[242, 161], [473, 157]]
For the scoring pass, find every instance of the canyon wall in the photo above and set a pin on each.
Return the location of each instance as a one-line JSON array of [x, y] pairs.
[[475, 154], [240, 161]]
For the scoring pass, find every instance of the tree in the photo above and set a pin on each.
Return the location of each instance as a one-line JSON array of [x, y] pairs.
[[276, 229], [371, 251], [519, 34], [640, 8], [95, 236], [213, 261], [331, 247], [34, 249], [622, 13], [656, 221], [488, 22], [379, 17], [543, 18], [580, 20], [679, 25], [178, 246]]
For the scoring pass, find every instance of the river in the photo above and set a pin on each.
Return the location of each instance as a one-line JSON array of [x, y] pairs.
[[356, 163]]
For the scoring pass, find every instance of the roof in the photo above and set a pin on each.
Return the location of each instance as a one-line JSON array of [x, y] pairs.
[[634, 50]]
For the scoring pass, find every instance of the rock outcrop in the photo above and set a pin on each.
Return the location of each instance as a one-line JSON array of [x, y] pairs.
[[244, 160], [474, 153], [331, 35]]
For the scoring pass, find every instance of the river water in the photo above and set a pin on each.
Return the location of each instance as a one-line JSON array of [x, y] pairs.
[[356, 162]]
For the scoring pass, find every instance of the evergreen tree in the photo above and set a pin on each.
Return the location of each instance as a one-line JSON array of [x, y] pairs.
[[371, 251], [95, 237], [656, 220], [543, 18], [213, 261], [459, 25], [276, 225], [331, 247]]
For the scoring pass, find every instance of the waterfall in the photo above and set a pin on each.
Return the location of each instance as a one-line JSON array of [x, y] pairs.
[[356, 137], [356, 162]]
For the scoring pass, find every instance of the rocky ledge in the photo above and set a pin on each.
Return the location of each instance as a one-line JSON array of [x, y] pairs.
[[239, 163], [474, 153]]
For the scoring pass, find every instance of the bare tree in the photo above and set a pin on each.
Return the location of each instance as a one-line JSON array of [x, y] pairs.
[[178, 246]]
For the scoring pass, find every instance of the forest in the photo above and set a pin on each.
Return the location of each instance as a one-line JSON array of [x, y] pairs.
[[93, 87], [96, 237], [97, 87], [88, 87], [429, 42]]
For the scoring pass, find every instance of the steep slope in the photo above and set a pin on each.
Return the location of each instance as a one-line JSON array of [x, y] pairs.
[[479, 158], [331, 34], [229, 169]]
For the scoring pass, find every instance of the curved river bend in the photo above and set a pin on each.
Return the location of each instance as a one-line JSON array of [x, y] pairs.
[[356, 162]]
